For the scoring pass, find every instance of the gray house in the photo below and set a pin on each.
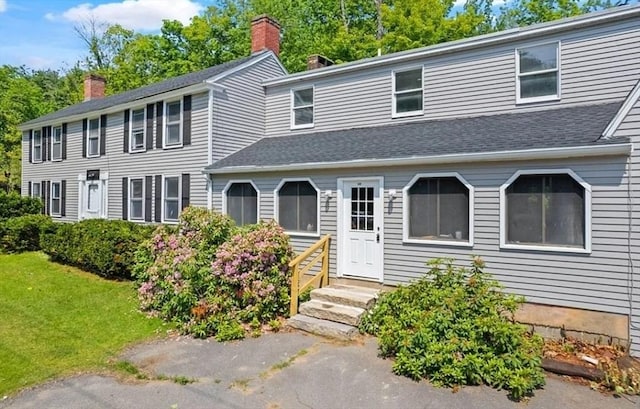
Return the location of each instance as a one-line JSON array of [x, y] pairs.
[[515, 146]]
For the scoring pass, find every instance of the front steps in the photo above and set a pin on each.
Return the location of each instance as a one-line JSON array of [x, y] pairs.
[[334, 311]]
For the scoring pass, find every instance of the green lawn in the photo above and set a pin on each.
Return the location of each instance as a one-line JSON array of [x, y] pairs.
[[56, 320]]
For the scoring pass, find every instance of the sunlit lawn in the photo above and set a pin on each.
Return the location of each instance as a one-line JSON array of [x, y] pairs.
[[56, 320]]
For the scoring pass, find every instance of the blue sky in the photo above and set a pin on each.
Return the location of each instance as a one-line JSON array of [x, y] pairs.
[[40, 35]]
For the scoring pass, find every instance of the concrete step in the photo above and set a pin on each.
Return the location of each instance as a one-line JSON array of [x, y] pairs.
[[352, 296], [358, 289], [322, 327], [326, 310]]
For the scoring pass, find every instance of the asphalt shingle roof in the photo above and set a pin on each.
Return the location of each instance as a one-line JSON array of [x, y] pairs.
[[551, 128], [170, 84]]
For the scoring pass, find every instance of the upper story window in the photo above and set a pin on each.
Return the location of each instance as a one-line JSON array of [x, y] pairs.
[[298, 207], [93, 138], [407, 92], [37, 145], [56, 143], [547, 211], [242, 203], [302, 108], [438, 208], [538, 73], [173, 125], [137, 132]]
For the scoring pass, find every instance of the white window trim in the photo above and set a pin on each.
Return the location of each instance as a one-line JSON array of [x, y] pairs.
[[405, 211], [545, 98], [132, 148], [59, 198], [33, 145], [53, 132], [394, 113], [276, 200], [165, 126], [228, 186], [554, 248], [293, 108], [89, 138], [129, 216], [34, 184], [163, 198]]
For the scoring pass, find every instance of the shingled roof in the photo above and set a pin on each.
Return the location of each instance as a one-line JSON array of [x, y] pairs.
[[170, 84], [552, 128]]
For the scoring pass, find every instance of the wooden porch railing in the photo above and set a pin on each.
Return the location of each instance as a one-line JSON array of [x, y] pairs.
[[298, 272]]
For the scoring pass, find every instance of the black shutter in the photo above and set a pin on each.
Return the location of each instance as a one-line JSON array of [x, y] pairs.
[[31, 146], [63, 198], [150, 127], [44, 138], [186, 120], [29, 189], [64, 141], [84, 137], [49, 138], [185, 189], [158, 201], [148, 185], [103, 134], [125, 198], [159, 117], [125, 142]]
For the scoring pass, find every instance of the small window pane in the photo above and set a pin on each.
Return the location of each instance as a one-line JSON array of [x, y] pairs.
[[35, 190], [173, 134], [137, 119], [537, 85], [55, 190], [57, 134], [94, 124], [303, 97], [171, 187], [298, 207], [538, 58], [303, 116], [173, 111], [136, 188], [408, 80], [55, 206], [409, 102], [136, 209], [37, 153], [37, 137], [171, 210], [56, 152], [93, 146]]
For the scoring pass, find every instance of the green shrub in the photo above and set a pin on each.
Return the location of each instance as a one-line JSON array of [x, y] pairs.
[[14, 205], [455, 327], [23, 233], [103, 247], [212, 278]]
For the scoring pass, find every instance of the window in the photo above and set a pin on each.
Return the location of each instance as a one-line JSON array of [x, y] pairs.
[[407, 92], [242, 203], [56, 143], [37, 145], [538, 73], [36, 191], [546, 210], [137, 131], [93, 138], [136, 199], [302, 108], [171, 198], [173, 126], [55, 198], [439, 208], [298, 207]]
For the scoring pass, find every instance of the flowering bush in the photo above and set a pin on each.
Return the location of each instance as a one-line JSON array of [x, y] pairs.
[[210, 280]]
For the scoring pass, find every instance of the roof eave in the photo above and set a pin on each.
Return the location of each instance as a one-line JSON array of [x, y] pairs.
[[496, 156], [463, 45]]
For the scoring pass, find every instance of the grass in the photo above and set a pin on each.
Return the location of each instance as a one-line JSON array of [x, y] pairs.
[[58, 320]]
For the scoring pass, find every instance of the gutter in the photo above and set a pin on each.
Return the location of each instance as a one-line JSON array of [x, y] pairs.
[[520, 155]]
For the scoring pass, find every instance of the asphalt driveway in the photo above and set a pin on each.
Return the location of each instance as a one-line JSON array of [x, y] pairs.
[[286, 370]]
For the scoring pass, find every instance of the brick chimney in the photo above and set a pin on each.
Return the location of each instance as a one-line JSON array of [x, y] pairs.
[[317, 61], [265, 34], [93, 87]]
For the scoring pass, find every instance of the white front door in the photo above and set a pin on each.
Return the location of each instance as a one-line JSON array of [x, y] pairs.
[[360, 240], [92, 197]]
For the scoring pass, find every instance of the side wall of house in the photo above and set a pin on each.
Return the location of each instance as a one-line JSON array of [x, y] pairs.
[[239, 107], [596, 281], [596, 64], [118, 164]]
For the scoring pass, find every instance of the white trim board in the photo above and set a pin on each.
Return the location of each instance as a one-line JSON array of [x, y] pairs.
[[629, 103]]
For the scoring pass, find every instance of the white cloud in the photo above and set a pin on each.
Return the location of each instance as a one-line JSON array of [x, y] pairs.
[[3, 5], [132, 14]]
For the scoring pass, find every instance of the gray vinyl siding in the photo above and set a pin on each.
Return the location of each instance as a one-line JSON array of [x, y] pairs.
[[170, 162], [239, 107], [630, 128], [596, 281], [598, 64]]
